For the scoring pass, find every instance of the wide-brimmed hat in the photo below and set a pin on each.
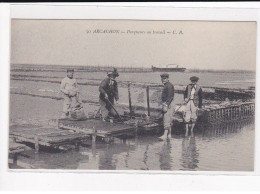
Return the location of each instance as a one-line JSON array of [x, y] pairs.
[[194, 78], [113, 73], [165, 75]]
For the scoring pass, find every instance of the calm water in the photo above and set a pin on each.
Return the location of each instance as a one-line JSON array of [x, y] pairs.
[[229, 150], [226, 79]]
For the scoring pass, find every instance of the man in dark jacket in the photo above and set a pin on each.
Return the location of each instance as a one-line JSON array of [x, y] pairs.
[[193, 98], [108, 93], [168, 106]]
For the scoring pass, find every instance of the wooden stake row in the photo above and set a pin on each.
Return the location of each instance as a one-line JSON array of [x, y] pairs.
[[230, 113]]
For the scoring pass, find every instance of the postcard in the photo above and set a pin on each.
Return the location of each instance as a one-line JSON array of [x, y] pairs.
[[129, 94]]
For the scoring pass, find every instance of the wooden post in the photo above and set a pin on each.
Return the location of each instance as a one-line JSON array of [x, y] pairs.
[[210, 116], [94, 135], [215, 116], [242, 111], [228, 111], [77, 145], [224, 114], [237, 112], [148, 100], [130, 101], [232, 113], [36, 144]]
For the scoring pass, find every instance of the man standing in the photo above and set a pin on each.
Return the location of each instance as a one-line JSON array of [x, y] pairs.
[[108, 93], [69, 89], [193, 98], [167, 104]]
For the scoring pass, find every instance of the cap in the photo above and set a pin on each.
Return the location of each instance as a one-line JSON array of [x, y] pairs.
[[165, 75], [110, 73], [70, 70], [194, 78]]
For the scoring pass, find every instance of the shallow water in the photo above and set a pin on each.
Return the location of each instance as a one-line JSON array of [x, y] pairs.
[[208, 149], [231, 152], [209, 79]]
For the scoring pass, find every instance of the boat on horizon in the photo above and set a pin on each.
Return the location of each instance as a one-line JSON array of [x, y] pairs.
[[169, 68]]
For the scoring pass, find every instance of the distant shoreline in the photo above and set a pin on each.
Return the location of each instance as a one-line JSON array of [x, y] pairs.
[[62, 68]]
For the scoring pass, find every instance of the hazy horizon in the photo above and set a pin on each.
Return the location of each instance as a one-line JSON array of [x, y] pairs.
[[196, 45]]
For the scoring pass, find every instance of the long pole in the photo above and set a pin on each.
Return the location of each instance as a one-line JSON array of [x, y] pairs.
[[115, 110], [130, 101], [148, 100]]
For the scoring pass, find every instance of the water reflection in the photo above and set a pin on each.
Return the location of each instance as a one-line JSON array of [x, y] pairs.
[[165, 156], [198, 151], [108, 156], [223, 129], [176, 153], [146, 158], [127, 156], [106, 159], [190, 153]]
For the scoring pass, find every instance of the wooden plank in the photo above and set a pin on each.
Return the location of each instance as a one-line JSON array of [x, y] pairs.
[[36, 144], [16, 151], [46, 136], [99, 128], [94, 123]]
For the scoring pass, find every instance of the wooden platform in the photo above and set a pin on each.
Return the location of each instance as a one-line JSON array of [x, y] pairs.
[[98, 128], [48, 137], [15, 149]]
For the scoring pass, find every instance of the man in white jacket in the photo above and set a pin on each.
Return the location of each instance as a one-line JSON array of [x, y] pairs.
[[69, 89]]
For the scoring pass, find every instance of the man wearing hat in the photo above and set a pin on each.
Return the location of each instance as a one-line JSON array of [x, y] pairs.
[[193, 98], [69, 89], [108, 93], [167, 104]]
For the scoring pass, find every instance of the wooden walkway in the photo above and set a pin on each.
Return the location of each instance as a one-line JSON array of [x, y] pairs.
[[107, 131], [68, 133], [98, 128], [212, 114], [15, 149], [52, 138]]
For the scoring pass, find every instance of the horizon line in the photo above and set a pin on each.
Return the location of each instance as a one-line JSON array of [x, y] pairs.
[[125, 67]]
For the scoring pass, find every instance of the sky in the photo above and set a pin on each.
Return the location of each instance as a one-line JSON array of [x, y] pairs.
[[190, 44]]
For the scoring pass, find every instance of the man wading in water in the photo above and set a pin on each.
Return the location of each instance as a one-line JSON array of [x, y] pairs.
[[167, 105], [193, 98], [69, 89], [108, 93]]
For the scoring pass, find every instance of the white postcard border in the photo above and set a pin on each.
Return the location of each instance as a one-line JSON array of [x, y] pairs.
[[120, 179]]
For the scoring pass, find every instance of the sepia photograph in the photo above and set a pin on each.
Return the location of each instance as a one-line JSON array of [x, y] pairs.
[[134, 95]]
